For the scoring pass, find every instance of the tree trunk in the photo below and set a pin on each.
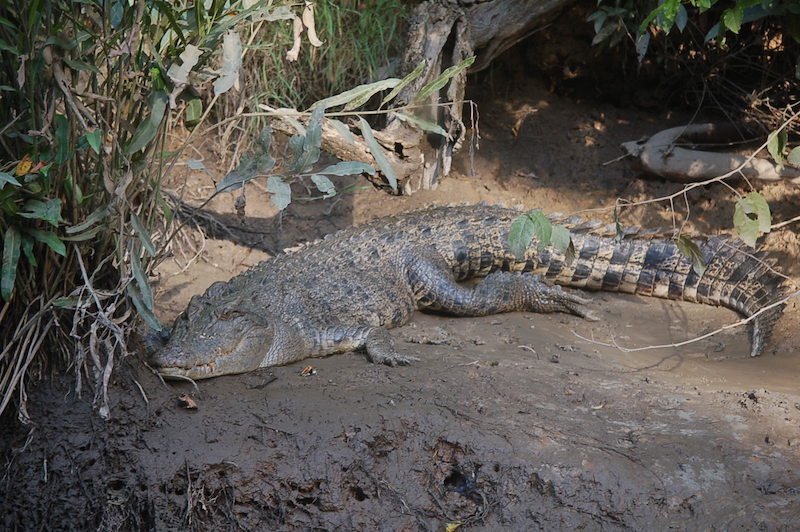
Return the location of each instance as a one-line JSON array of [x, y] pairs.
[[442, 33]]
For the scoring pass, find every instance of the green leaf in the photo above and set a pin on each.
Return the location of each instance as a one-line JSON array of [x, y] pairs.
[[642, 44], [648, 19], [605, 32], [234, 181], [348, 168], [8, 274], [48, 211], [713, 33], [27, 250], [71, 302], [324, 185], [169, 11], [144, 235], [141, 281], [443, 78], [691, 251], [343, 130], [561, 241], [193, 112], [776, 144], [533, 224], [681, 18], [146, 314], [752, 218], [81, 66], [165, 208], [50, 239], [255, 164], [149, 127], [362, 92], [362, 98], [63, 151], [85, 235], [424, 125], [377, 152], [732, 18], [543, 228], [669, 11], [520, 235], [196, 164], [74, 189], [93, 138], [8, 178], [793, 158], [265, 140], [5, 47], [117, 13], [307, 155], [404, 83], [90, 220], [281, 192]]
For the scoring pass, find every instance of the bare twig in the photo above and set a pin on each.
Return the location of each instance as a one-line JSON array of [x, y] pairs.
[[739, 323]]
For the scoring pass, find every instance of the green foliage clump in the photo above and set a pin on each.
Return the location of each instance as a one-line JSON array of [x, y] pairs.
[[86, 94]]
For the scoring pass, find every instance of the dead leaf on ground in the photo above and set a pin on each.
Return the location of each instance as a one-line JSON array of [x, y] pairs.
[[188, 402], [308, 371]]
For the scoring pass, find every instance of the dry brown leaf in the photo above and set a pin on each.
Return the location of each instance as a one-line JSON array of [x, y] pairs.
[[294, 53], [188, 402], [308, 22], [24, 166]]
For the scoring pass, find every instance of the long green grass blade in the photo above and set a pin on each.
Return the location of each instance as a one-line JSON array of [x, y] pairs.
[[50, 239], [443, 78], [11, 249], [377, 152], [143, 234], [404, 83]]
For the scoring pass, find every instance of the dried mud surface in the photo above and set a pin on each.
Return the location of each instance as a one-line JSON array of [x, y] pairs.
[[516, 421]]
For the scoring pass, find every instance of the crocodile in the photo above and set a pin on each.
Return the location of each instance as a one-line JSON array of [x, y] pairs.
[[343, 292]]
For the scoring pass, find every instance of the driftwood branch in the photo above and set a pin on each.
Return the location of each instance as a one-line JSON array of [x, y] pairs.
[[662, 156]]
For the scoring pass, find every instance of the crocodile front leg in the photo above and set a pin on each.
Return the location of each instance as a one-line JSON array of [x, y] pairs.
[[435, 287], [375, 340]]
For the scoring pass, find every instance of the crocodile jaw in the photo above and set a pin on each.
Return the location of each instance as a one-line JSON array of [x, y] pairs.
[[223, 348]]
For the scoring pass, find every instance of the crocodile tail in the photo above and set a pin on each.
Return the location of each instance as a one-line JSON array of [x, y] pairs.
[[735, 276]]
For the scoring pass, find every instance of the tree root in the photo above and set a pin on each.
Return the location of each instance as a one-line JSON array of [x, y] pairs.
[[661, 155]]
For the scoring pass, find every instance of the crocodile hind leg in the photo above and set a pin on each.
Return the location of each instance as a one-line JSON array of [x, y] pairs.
[[435, 288]]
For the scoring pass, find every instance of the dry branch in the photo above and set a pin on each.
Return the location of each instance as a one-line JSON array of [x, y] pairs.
[[405, 163], [662, 156]]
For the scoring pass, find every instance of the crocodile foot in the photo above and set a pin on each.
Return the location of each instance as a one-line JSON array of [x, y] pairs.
[[552, 298], [381, 350]]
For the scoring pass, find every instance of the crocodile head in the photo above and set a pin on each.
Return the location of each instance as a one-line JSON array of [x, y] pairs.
[[212, 337]]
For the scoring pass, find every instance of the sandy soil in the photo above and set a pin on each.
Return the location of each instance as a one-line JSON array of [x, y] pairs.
[[515, 421]]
